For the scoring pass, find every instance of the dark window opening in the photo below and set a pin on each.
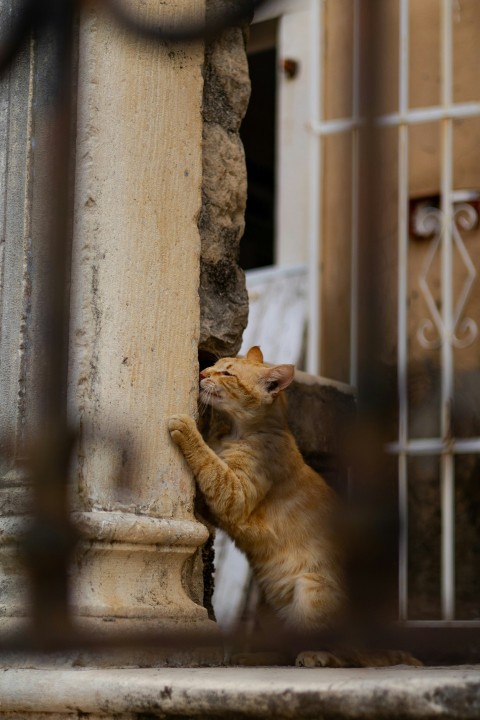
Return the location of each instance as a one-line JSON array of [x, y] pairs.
[[258, 136]]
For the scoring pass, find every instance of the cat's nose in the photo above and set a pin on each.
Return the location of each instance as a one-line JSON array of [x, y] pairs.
[[202, 376]]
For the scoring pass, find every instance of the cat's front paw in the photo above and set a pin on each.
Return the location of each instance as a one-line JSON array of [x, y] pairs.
[[181, 427]]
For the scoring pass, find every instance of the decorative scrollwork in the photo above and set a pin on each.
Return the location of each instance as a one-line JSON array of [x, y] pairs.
[[465, 216], [427, 221], [469, 329], [430, 221], [428, 326]]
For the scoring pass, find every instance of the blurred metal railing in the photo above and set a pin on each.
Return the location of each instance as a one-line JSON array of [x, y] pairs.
[[51, 538]]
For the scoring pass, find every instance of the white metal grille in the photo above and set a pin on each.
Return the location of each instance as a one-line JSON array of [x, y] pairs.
[[446, 328]]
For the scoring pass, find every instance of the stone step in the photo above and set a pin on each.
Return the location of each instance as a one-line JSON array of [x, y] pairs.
[[241, 693]]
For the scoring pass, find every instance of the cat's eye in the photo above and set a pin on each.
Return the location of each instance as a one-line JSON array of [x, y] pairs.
[[225, 372]]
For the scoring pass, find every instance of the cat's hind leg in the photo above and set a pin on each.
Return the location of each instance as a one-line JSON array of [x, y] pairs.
[[352, 658], [319, 658], [318, 603]]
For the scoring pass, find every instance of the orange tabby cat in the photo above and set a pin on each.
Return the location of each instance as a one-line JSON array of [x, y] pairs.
[[277, 509]]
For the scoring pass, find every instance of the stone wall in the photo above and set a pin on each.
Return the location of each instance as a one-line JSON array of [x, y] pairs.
[[223, 297]]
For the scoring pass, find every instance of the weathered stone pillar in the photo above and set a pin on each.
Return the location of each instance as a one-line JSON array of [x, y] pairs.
[[135, 326]]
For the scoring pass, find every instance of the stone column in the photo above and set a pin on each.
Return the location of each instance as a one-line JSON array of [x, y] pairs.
[[135, 326]]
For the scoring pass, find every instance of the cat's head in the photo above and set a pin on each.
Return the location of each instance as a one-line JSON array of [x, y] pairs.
[[243, 386]]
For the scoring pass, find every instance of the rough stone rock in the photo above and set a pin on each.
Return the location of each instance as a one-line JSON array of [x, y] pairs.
[[224, 192], [319, 411], [223, 296], [224, 308], [227, 83]]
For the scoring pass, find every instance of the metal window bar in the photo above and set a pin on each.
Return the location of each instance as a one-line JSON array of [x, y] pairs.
[[313, 360], [402, 349], [355, 195], [416, 116], [447, 465], [50, 540]]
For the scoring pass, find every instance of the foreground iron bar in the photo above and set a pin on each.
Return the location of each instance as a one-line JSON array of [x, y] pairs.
[[52, 537]]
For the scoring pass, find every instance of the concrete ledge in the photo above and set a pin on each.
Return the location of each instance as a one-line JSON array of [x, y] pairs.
[[241, 693]]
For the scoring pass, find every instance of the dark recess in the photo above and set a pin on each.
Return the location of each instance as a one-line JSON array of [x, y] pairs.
[[258, 137]]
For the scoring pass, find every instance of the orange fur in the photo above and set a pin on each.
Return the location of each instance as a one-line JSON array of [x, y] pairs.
[[276, 508]]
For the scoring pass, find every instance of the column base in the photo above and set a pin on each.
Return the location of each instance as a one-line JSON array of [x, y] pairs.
[[131, 589]]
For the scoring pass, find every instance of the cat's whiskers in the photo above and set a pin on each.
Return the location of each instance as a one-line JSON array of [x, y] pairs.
[[206, 395], [203, 402]]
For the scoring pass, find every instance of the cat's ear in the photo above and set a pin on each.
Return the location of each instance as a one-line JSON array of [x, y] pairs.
[[255, 355], [278, 378]]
